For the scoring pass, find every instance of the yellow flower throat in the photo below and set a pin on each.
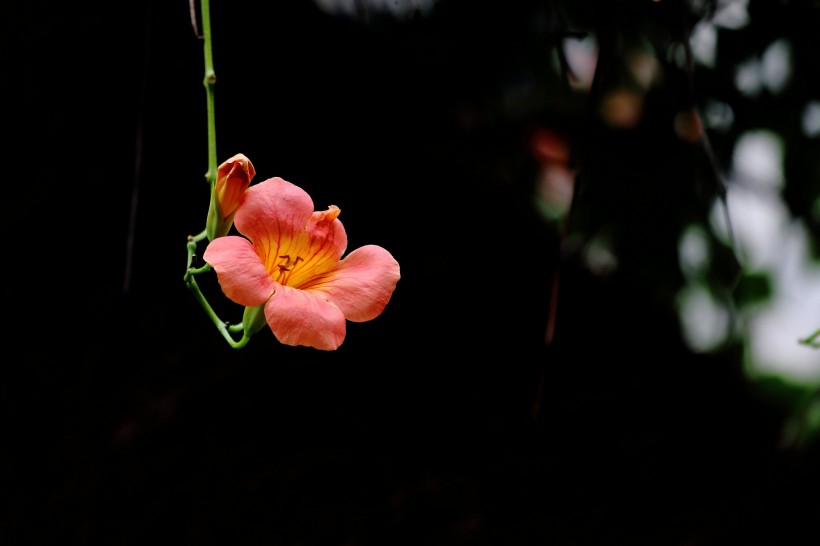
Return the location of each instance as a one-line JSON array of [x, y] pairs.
[[284, 269]]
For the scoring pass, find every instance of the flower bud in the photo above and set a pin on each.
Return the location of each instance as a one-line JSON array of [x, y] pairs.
[[232, 180]]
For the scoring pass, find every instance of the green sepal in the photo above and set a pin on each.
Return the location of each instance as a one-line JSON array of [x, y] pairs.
[[216, 226], [253, 319]]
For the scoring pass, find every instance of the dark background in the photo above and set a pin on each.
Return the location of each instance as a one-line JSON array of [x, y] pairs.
[[127, 419]]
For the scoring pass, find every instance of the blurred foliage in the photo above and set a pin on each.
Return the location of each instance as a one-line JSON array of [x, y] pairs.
[[646, 104], [753, 287]]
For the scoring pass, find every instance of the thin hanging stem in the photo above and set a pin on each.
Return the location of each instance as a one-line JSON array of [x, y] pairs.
[[192, 10], [210, 176], [223, 328], [209, 82]]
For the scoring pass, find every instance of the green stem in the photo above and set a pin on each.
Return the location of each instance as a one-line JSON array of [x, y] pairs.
[[209, 82], [192, 241], [190, 272], [223, 328]]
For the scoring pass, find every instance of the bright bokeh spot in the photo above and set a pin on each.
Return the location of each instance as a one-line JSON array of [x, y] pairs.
[[644, 67], [704, 43], [774, 330], [748, 79], [732, 14], [771, 71], [811, 119], [758, 160], [599, 256], [770, 241], [582, 57], [704, 322], [694, 252], [397, 8], [776, 65]]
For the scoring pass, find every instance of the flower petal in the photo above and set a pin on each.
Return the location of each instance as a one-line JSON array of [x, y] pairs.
[[363, 283], [273, 213], [241, 274], [297, 317], [320, 246], [324, 226]]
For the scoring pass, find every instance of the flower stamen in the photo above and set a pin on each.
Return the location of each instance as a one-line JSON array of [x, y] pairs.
[[286, 267]]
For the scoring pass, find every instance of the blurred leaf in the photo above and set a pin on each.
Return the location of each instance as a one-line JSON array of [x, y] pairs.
[[800, 404], [803, 426], [752, 288]]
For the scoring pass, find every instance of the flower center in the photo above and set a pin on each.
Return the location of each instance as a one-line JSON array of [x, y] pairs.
[[285, 267]]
